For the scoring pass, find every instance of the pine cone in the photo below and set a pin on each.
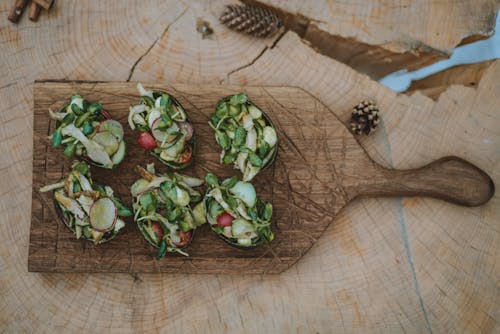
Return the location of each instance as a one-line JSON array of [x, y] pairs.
[[364, 117], [253, 20]]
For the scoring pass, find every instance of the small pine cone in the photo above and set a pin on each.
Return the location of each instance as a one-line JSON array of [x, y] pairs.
[[364, 117], [253, 20]]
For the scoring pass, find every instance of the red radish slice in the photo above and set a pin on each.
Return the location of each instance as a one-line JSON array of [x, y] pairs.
[[186, 155], [105, 114], [103, 214], [185, 237], [156, 227], [161, 135], [146, 141], [187, 128], [225, 219]]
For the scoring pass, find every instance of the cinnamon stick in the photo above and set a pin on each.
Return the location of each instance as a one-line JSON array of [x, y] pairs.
[[35, 10], [45, 4], [17, 10]]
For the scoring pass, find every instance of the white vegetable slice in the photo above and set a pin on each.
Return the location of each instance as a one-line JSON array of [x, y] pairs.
[[132, 112], [164, 135], [270, 136], [84, 182], [112, 126], [120, 154], [108, 141], [189, 180], [242, 228], [153, 116], [51, 187], [250, 172], [85, 202], [241, 161], [251, 140], [246, 192], [247, 121], [94, 150], [144, 92], [254, 112], [119, 225], [59, 116], [245, 242], [70, 204], [103, 214], [217, 194]]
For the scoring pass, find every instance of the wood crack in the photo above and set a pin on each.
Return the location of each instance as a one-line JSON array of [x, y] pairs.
[[132, 70]]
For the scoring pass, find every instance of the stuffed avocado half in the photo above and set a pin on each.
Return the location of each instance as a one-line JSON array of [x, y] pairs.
[[89, 210], [85, 130], [236, 214], [164, 128], [167, 209], [246, 135]]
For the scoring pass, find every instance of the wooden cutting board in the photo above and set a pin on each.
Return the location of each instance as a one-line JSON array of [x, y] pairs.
[[320, 168]]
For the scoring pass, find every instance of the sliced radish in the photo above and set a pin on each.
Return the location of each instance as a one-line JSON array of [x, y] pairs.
[[108, 141], [153, 116], [186, 128], [112, 126], [103, 214]]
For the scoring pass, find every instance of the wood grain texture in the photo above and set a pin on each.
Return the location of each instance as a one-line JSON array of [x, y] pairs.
[[468, 75], [319, 169], [380, 37], [385, 265]]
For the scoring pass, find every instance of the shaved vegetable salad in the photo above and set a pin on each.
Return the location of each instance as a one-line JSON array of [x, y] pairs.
[[246, 135], [89, 210], [236, 214], [167, 209], [84, 129], [164, 128]]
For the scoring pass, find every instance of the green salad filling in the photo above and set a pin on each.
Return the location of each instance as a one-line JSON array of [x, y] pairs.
[[89, 210], [235, 213], [167, 209], [85, 130], [164, 128], [246, 135]]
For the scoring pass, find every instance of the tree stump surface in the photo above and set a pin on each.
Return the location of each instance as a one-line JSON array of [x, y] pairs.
[[384, 265]]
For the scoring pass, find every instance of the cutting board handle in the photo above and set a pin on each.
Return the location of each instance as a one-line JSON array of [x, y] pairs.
[[450, 178]]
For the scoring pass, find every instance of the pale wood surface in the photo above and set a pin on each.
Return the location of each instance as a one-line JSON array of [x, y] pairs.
[[381, 36], [319, 169], [468, 75], [386, 265]]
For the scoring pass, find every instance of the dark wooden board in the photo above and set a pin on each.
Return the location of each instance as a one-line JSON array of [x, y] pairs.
[[320, 167]]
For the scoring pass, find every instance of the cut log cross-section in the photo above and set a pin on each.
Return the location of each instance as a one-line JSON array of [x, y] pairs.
[[386, 265]]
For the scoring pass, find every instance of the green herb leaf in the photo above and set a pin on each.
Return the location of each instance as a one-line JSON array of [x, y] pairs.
[[229, 183], [87, 128], [239, 136], [162, 251], [223, 140], [238, 99], [222, 110], [75, 96], [165, 101], [147, 101], [254, 159], [82, 168], [229, 158], [268, 211], [168, 189], [212, 180], [76, 109], [56, 138], [82, 118], [95, 107], [76, 187], [214, 120], [85, 104], [263, 149], [147, 202], [234, 110], [69, 151]]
